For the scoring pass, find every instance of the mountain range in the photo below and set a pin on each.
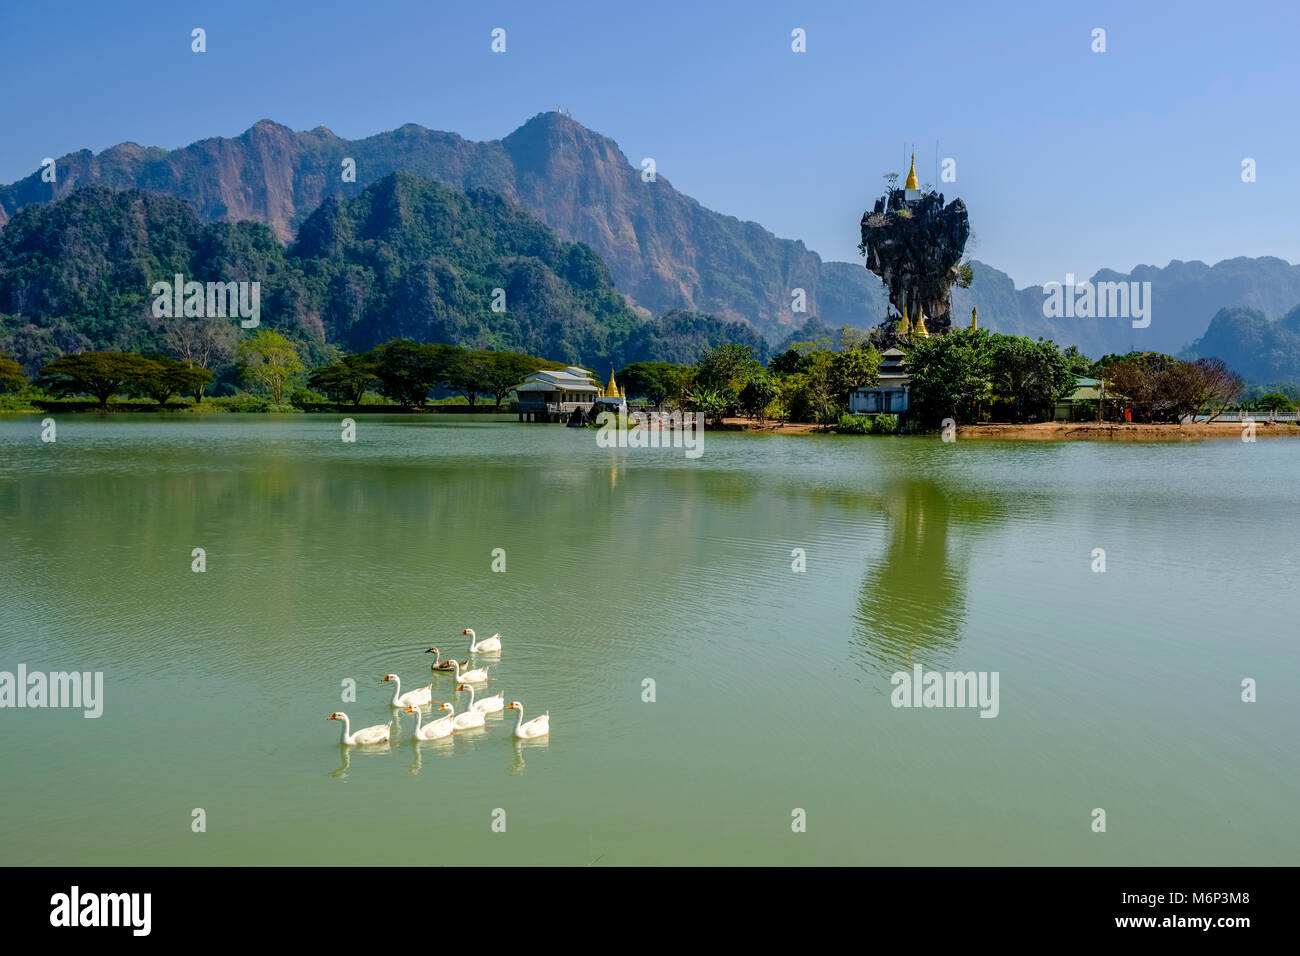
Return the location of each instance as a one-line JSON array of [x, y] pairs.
[[405, 258], [664, 250]]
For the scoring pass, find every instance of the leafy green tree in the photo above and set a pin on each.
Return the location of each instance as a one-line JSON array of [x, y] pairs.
[[759, 392], [1078, 363], [11, 374], [101, 374], [1031, 376], [790, 362], [469, 375], [853, 369], [789, 401], [726, 369], [965, 275], [852, 338], [502, 371], [822, 388], [271, 361], [484, 372], [408, 371], [347, 380], [162, 377], [656, 381], [951, 375], [711, 403], [1274, 402]]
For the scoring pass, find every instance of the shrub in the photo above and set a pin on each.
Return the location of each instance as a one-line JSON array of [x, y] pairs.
[[884, 425], [304, 396], [252, 403], [15, 402], [853, 425]]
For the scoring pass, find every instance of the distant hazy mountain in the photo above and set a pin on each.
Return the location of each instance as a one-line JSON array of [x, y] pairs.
[[1260, 351], [1185, 296], [664, 250]]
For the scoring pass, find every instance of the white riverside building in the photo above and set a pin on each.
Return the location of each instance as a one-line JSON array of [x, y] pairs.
[[553, 394], [891, 394]]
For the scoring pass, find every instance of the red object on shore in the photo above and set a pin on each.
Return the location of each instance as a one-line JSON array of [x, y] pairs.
[[1128, 415]]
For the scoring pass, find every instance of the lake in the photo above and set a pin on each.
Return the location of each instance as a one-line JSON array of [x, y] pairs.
[[329, 562]]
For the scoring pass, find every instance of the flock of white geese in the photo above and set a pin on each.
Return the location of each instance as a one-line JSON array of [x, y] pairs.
[[415, 701]]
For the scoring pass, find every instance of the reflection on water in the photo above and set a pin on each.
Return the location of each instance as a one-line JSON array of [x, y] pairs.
[[516, 767], [368, 750], [441, 747], [912, 602], [330, 562]]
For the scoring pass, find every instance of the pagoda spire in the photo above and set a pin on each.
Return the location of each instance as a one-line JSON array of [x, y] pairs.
[[974, 318], [911, 176]]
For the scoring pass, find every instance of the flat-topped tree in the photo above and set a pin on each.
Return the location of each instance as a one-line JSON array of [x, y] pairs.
[[914, 242]]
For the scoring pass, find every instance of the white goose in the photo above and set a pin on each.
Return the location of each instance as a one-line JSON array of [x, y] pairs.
[[435, 728], [477, 676], [488, 705], [468, 720], [420, 697], [438, 663], [485, 646], [537, 727], [377, 734]]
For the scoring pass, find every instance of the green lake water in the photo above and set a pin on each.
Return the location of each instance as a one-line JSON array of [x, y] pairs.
[[329, 561]]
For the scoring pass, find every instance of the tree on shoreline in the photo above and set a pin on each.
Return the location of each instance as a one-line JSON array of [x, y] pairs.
[[952, 375], [1221, 384], [270, 360], [656, 381], [408, 371], [100, 374], [12, 378], [1030, 376], [164, 377], [347, 380], [502, 371], [201, 342]]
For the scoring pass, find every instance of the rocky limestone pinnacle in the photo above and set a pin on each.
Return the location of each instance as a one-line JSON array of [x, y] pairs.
[[915, 246]]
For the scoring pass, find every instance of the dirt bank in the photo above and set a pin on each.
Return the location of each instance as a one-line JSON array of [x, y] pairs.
[[1094, 431], [1064, 431]]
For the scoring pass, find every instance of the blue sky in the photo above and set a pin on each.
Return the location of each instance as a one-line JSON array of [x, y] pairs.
[[1069, 160]]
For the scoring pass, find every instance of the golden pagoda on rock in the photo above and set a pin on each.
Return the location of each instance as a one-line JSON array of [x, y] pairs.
[[974, 318], [921, 330], [911, 176], [904, 326]]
